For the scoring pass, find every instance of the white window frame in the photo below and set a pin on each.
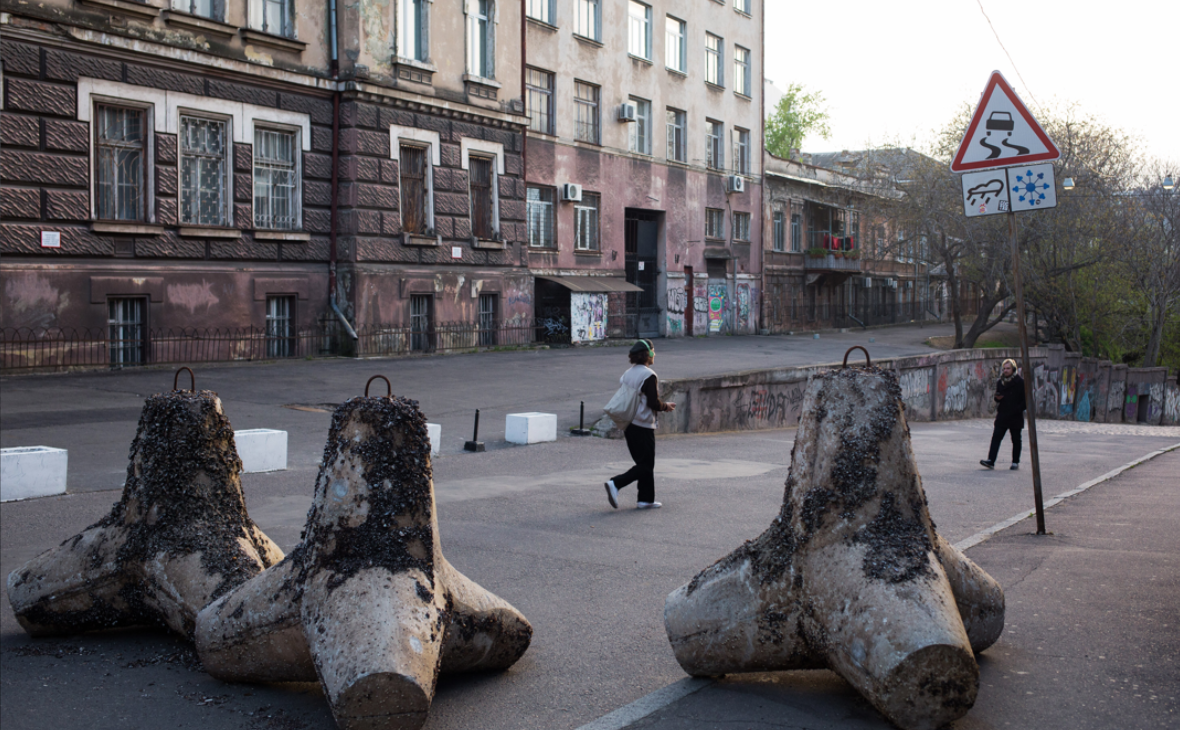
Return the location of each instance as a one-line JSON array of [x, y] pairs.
[[588, 11], [418, 138], [639, 136], [297, 194], [715, 144], [487, 57], [549, 94], [422, 32], [581, 211], [639, 30], [741, 70], [547, 8], [552, 216], [188, 7], [715, 60], [742, 6], [483, 148], [597, 104], [257, 18], [682, 148], [676, 41], [741, 150]]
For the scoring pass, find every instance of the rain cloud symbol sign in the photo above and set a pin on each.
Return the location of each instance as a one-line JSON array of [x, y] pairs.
[[1030, 188]]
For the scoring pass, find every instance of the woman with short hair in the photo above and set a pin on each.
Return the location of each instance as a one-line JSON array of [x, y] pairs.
[[1010, 406], [641, 432]]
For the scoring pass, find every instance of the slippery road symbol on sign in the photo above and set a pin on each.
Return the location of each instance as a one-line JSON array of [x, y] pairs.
[[1002, 132]]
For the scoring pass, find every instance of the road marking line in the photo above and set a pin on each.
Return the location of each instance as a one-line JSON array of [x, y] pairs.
[[647, 704], [985, 534]]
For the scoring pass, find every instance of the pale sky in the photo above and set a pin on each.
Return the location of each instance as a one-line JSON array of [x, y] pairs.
[[901, 69]]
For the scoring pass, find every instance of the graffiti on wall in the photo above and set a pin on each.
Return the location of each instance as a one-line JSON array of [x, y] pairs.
[[1172, 404], [1045, 391], [726, 409], [915, 389], [677, 305], [967, 387], [1155, 403], [700, 307], [1069, 385], [1131, 404], [587, 317], [743, 300], [716, 307], [1116, 395]]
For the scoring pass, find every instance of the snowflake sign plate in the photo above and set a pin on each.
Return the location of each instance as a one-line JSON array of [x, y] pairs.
[[1009, 190], [1002, 132]]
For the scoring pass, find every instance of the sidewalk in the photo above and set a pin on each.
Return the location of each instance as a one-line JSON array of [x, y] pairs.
[[1091, 638]]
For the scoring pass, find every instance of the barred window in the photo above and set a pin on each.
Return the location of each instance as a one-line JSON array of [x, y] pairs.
[[741, 70], [276, 179], [127, 327], [540, 217], [280, 330], [714, 149], [540, 98], [676, 135], [204, 162], [741, 226], [414, 188], [488, 316], [586, 223], [122, 164], [588, 19], [714, 223], [714, 71], [586, 118]]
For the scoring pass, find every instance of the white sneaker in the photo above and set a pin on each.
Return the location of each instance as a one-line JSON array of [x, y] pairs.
[[612, 493], [648, 505]]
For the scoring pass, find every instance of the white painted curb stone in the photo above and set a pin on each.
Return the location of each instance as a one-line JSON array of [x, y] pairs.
[[261, 449], [32, 471], [434, 433], [530, 428]]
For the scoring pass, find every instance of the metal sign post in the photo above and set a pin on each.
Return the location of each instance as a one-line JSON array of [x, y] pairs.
[[1030, 404]]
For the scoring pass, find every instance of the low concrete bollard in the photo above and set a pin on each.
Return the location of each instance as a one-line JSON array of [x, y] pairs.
[[367, 603], [851, 575], [530, 428], [32, 471], [262, 449], [434, 433], [179, 536]]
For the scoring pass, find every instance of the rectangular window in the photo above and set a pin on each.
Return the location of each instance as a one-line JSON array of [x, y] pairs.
[[541, 10], [276, 179], [796, 233], [272, 16], [742, 6], [280, 330], [640, 132], [676, 135], [586, 223], [488, 317], [126, 330], [204, 163], [212, 9], [414, 30], [122, 164], [539, 85], [780, 237], [483, 202], [481, 39], [540, 217], [421, 334], [741, 70], [741, 226], [588, 19], [586, 118], [639, 29], [714, 70], [714, 223], [714, 149], [414, 189], [741, 151], [676, 44]]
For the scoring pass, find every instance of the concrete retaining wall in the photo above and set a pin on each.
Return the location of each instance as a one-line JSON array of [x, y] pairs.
[[936, 387]]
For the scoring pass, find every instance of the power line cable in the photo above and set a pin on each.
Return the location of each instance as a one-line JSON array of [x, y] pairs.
[[1009, 55]]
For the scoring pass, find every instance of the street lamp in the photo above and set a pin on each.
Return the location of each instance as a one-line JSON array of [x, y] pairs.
[[1067, 183], [1168, 183]]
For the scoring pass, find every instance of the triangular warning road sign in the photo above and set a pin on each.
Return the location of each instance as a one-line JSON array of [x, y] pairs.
[[1002, 132]]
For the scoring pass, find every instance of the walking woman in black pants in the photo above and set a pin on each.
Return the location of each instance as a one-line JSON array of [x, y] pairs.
[[641, 432], [1009, 414]]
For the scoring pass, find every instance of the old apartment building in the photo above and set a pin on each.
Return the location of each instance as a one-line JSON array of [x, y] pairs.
[[644, 165], [173, 172]]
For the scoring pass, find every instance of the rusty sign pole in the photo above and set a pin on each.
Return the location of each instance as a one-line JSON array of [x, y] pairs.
[[1030, 404]]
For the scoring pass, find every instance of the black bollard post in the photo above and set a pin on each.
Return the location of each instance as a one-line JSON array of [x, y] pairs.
[[475, 444], [581, 430]]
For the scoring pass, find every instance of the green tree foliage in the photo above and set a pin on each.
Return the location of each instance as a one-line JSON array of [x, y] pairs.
[[798, 114]]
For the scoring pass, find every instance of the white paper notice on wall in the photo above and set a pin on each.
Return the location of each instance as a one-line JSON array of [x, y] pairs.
[[50, 239], [456, 252], [641, 263]]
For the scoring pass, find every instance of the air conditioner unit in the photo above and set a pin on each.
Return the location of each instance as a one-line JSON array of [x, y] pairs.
[[867, 282], [893, 283], [735, 184], [571, 192], [628, 113]]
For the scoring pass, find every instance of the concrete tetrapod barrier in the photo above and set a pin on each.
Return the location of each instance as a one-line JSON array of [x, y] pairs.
[[851, 575], [367, 602], [179, 537]]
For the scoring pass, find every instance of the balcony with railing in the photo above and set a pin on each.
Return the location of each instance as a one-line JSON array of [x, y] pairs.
[[828, 251]]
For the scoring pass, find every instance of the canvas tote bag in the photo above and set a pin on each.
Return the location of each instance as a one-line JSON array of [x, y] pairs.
[[623, 405]]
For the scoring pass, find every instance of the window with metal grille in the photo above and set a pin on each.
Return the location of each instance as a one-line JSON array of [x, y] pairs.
[[586, 223], [714, 70], [714, 223], [676, 44], [714, 147], [481, 38], [588, 19], [488, 317], [212, 9], [540, 99], [796, 233], [586, 107], [741, 151], [204, 161], [413, 33], [482, 181], [640, 132], [741, 226], [126, 330], [676, 124], [276, 179], [421, 336], [741, 70], [122, 164], [280, 327], [540, 217], [639, 29], [780, 242], [414, 188]]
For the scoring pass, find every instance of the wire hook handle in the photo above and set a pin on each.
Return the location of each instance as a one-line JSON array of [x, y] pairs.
[[868, 360], [192, 379], [388, 387]]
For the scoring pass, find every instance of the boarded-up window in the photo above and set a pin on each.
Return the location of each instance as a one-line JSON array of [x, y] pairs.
[[414, 189], [482, 204]]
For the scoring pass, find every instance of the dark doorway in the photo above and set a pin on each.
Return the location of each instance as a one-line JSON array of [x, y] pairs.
[[641, 241], [689, 307]]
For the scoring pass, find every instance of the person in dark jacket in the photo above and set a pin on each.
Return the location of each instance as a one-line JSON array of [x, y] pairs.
[[641, 432], [1009, 414]]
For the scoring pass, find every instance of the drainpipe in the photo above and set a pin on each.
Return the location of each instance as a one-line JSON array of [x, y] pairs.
[[335, 70]]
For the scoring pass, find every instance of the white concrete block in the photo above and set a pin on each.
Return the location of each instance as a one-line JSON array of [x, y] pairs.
[[434, 432], [262, 449], [32, 471], [530, 428]]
